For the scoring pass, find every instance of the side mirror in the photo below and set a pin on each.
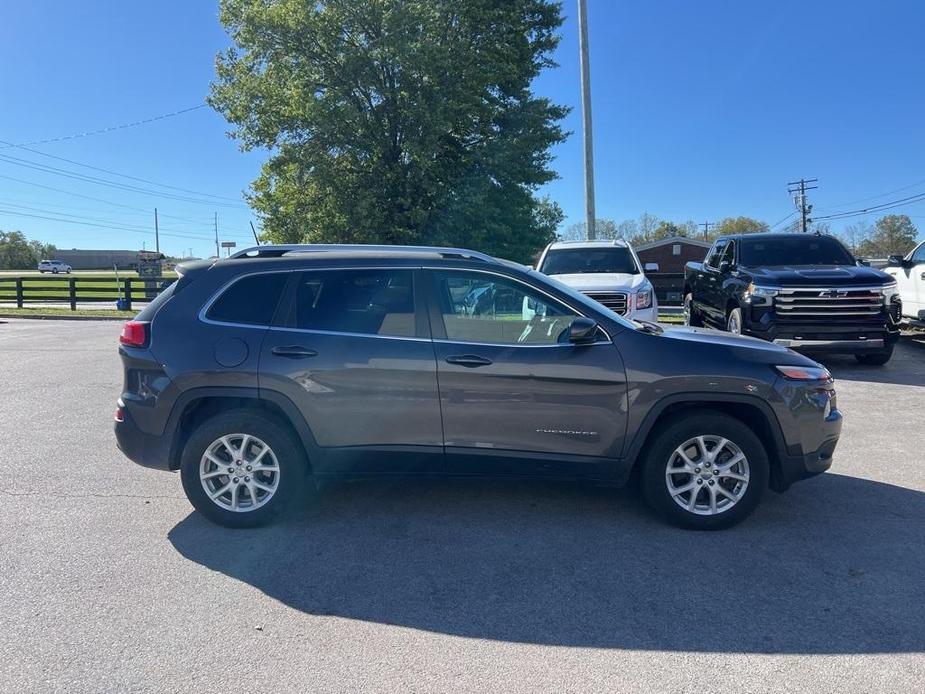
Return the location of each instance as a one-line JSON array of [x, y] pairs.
[[724, 266], [582, 331], [862, 262], [894, 261], [651, 267]]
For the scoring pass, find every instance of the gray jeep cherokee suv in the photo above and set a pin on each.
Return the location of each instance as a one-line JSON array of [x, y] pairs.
[[261, 374]]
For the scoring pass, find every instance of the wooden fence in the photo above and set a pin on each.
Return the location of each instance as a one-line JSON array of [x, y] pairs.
[[73, 290]]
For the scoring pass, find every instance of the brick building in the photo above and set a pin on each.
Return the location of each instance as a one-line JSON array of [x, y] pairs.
[[671, 254]]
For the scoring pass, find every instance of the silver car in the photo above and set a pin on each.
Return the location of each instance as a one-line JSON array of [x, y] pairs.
[[54, 266]]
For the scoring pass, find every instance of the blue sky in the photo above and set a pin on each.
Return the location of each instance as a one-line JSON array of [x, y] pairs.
[[701, 110]]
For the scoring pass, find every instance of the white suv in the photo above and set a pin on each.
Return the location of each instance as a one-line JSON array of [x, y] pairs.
[[54, 267], [607, 271]]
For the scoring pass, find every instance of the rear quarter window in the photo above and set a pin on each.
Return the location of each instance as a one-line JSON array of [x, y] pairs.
[[250, 300]]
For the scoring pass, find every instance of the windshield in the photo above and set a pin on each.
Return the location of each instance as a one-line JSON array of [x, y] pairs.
[[796, 250], [567, 261], [584, 301]]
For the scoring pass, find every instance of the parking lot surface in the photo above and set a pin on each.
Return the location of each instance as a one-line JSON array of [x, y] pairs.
[[109, 581]]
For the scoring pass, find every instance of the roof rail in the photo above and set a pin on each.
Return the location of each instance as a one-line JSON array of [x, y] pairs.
[[278, 251]]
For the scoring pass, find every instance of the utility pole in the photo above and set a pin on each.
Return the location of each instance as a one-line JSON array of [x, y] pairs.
[[157, 237], [706, 229], [217, 251], [798, 190], [586, 111], [255, 232]]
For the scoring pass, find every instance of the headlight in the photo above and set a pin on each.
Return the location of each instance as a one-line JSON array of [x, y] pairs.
[[757, 290], [643, 299], [888, 290], [804, 373]]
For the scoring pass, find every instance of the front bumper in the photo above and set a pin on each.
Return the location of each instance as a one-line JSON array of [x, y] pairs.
[[826, 337], [814, 424]]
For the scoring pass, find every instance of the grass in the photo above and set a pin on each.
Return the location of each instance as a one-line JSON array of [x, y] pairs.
[[671, 318], [96, 285], [64, 313]]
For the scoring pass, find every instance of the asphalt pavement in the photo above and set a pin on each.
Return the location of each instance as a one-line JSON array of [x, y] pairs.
[[109, 582]]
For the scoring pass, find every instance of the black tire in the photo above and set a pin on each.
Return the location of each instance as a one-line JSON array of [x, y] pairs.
[[661, 452], [292, 475], [734, 321], [875, 358], [691, 317]]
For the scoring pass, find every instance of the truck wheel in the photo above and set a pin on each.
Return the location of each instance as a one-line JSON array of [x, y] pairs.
[[691, 318], [242, 469], [705, 472], [875, 358], [734, 321]]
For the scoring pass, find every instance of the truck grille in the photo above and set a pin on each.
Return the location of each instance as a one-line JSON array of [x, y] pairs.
[[852, 303], [615, 301]]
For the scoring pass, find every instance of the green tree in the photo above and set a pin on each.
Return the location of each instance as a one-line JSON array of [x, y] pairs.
[[737, 225], [18, 253], [892, 234], [396, 121]]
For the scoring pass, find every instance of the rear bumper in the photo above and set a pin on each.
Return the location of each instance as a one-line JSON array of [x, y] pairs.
[[145, 449]]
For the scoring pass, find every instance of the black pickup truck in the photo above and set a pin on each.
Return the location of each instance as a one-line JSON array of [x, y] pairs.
[[803, 291]]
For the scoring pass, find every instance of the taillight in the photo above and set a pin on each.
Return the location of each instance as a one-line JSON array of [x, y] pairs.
[[134, 334]]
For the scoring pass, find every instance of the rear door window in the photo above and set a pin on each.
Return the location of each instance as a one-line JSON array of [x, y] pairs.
[[365, 302], [252, 300]]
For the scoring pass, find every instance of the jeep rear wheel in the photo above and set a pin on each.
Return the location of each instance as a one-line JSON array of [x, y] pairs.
[[242, 469], [706, 472]]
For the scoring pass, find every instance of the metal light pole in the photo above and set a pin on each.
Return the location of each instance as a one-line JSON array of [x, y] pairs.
[[586, 111]]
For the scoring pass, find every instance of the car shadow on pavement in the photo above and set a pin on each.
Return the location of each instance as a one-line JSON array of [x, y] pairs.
[[836, 565], [907, 367]]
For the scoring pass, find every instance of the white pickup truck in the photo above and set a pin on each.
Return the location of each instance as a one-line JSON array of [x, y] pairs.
[[910, 280]]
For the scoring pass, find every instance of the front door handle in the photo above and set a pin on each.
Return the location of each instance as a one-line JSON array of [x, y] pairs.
[[922, 275], [468, 360], [294, 352]]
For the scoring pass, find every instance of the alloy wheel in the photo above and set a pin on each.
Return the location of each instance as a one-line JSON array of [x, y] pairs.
[[707, 475], [239, 472]]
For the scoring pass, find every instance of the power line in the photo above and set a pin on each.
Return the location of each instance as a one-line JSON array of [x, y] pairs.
[[876, 208], [105, 223], [782, 220], [96, 225], [104, 182], [109, 129], [146, 212], [122, 175], [874, 197]]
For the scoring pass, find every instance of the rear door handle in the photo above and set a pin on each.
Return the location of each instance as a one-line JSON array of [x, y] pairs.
[[294, 352], [923, 275], [468, 360]]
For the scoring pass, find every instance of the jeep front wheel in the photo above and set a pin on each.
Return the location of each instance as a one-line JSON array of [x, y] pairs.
[[705, 472]]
